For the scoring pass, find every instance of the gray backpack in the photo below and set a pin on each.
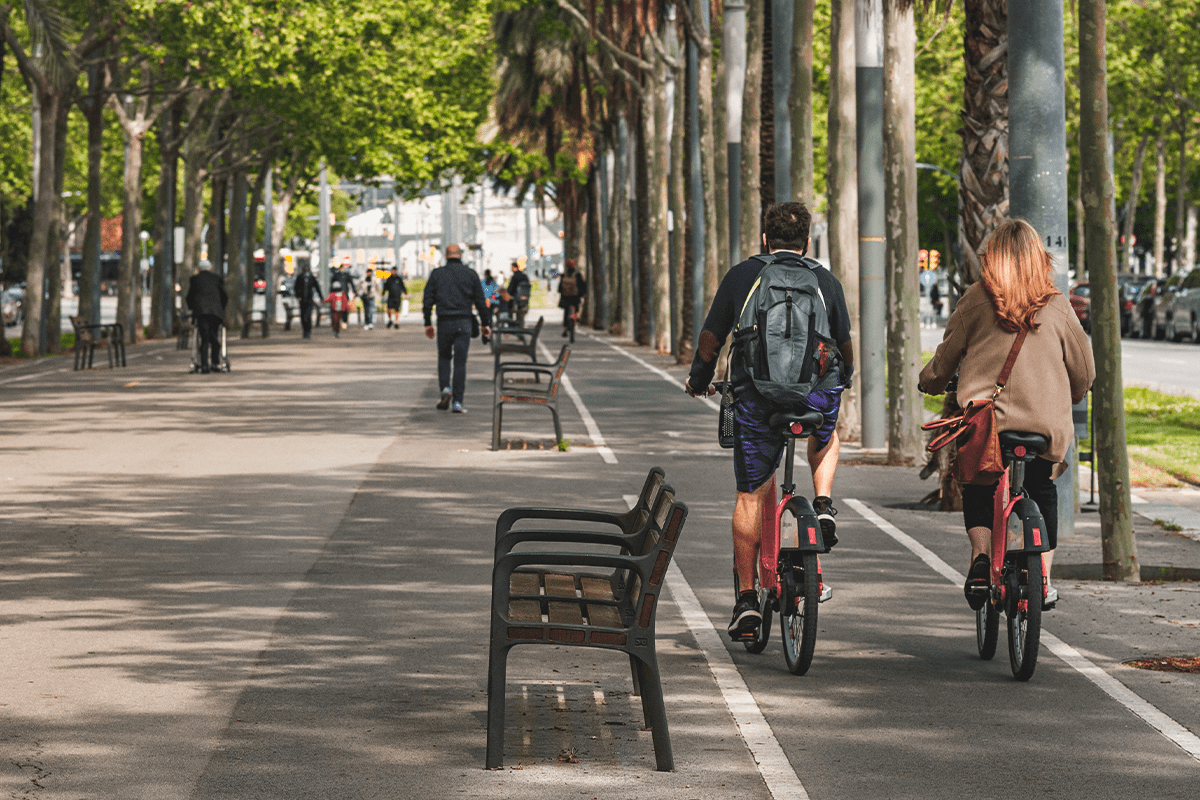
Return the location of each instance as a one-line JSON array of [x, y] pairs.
[[782, 345]]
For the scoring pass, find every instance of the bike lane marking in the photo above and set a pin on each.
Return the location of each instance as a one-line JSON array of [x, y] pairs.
[[773, 764], [1155, 718], [660, 373], [589, 422]]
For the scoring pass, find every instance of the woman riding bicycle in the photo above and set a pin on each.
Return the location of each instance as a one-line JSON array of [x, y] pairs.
[[1053, 370]]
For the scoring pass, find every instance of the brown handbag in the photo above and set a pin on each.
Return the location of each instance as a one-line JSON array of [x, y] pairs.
[[979, 461]]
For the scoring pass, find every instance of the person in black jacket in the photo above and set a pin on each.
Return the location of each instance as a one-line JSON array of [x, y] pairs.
[[307, 290], [206, 299], [572, 288], [454, 289], [395, 290]]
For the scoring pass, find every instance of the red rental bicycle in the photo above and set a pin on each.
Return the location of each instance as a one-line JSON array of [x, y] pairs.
[[1018, 574], [789, 568]]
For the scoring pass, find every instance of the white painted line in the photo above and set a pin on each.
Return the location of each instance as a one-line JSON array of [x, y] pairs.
[[714, 405], [777, 771], [1155, 718], [589, 422]]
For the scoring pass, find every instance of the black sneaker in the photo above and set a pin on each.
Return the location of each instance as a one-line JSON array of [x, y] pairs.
[[825, 514], [444, 403], [746, 616]]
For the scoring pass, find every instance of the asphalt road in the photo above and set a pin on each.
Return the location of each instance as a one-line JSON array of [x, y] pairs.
[[274, 584]]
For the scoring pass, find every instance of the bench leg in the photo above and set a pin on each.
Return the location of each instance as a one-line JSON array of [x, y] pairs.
[[497, 674], [637, 680], [557, 424], [78, 352], [497, 413], [655, 712]]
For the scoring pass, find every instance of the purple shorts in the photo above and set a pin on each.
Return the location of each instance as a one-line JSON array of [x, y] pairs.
[[757, 449]]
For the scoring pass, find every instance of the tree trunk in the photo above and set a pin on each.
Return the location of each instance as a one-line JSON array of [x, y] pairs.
[[751, 222], [1181, 201], [58, 252], [235, 279], [595, 238], [707, 166], [1135, 188], [1160, 203], [659, 268], [766, 121], [1116, 520], [33, 335], [89, 276], [984, 189], [162, 299], [720, 155], [1189, 238], [681, 307], [842, 189], [800, 102], [903, 280], [128, 275], [643, 313]]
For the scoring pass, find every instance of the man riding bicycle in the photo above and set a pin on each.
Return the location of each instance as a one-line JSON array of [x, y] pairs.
[[757, 448]]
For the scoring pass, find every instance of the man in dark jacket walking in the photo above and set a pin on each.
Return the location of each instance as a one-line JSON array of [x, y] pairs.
[[206, 299], [307, 290], [454, 289]]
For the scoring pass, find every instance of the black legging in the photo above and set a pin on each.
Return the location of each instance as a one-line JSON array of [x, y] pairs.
[[978, 501]]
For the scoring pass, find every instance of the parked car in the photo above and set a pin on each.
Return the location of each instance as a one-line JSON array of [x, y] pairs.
[[1141, 309], [12, 302], [1128, 287], [1081, 302], [1164, 305], [1178, 311]]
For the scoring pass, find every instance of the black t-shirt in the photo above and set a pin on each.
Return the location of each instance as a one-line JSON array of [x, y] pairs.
[[727, 307]]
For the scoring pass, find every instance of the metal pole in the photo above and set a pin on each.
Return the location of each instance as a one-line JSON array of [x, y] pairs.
[[868, 18], [1037, 143], [782, 15], [268, 246], [396, 233], [325, 246], [734, 46]]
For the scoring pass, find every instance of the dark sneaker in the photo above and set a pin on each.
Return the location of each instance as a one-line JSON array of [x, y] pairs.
[[978, 582], [825, 514], [444, 403], [746, 616]]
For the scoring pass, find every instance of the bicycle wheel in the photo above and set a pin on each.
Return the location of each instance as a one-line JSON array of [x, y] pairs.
[[798, 613], [987, 630], [759, 642], [1025, 625]]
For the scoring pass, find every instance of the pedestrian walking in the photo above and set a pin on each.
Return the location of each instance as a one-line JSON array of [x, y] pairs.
[[454, 289], [206, 299], [491, 291], [340, 290], [518, 292], [935, 300], [572, 288], [307, 290], [368, 292], [395, 290]]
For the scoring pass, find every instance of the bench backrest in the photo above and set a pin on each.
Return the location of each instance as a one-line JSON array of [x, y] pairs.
[[626, 582], [637, 516], [661, 537], [563, 355]]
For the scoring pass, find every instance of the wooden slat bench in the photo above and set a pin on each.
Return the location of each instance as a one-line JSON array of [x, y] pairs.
[[110, 336], [513, 386], [559, 597], [508, 340]]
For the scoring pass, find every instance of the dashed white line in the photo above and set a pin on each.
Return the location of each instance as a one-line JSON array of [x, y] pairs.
[[1168, 727]]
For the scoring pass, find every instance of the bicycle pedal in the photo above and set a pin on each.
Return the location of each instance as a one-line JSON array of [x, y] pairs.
[[826, 593]]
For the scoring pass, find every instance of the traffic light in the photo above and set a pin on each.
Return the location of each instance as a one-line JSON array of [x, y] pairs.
[[923, 259], [935, 259]]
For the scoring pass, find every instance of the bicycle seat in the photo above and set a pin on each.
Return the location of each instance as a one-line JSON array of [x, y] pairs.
[[1022, 446], [784, 422]]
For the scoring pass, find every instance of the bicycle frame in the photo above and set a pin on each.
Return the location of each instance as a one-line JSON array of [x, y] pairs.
[[1033, 527], [772, 524]]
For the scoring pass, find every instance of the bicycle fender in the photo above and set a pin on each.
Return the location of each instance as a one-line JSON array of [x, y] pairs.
[[809, 537], [1036, 538]]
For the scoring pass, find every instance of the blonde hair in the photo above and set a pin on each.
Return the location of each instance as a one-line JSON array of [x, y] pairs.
[[1016, 274]]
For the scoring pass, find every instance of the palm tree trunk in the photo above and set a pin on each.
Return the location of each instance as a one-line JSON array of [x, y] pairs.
[[842, 188], [984, 188]]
